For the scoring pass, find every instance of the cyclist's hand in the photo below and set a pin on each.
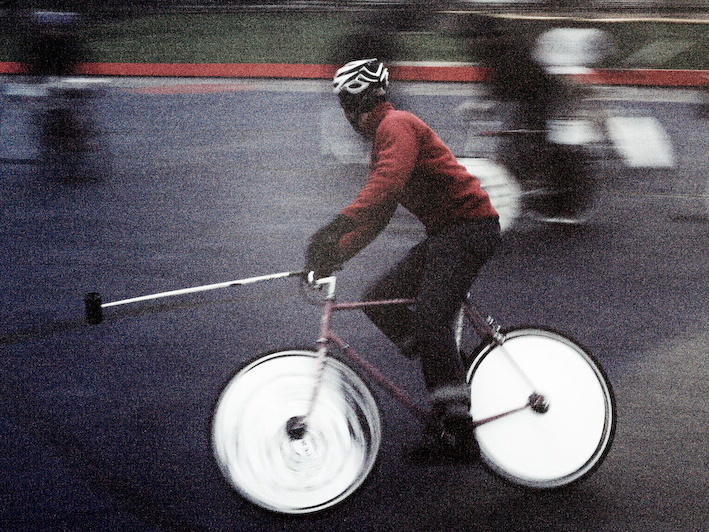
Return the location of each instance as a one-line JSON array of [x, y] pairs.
[[321, 259], [322, 255]]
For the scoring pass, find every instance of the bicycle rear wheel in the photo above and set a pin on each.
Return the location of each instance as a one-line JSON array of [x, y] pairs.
[[277, 468], [547, 449]]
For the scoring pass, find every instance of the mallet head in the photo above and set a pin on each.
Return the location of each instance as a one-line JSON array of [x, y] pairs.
[[94, 313]]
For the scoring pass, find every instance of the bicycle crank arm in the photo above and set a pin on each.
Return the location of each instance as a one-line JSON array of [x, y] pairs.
[[536, 402]]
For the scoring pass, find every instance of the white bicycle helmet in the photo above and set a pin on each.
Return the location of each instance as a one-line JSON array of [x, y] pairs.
[[358, 76]]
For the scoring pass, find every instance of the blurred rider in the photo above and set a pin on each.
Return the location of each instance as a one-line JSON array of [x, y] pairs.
[[55, 45], [410, 166]]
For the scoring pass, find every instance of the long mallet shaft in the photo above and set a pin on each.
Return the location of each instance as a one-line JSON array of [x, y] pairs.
[[94, 306]]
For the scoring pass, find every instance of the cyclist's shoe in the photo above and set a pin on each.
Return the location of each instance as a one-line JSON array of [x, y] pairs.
[[463, 432], [453, 443], [451, 402], [452, 437]]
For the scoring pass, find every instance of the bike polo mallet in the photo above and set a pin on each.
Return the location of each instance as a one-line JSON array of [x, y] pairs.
[[94, 307]]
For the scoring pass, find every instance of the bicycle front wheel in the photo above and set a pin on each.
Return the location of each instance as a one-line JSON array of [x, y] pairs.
[[281, 469], [541, 448]]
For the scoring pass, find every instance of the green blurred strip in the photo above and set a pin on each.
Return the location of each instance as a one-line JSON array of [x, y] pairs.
[[311, 38]]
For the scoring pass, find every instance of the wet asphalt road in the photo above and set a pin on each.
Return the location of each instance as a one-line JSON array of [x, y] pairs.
[[106, 427]]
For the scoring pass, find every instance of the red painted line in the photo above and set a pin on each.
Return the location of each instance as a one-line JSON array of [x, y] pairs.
[[438, 73], [412, 72], [11, 68], [665, 78], [231, 70]]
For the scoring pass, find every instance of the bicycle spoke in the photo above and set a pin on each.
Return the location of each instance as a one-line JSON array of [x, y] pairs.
[[523, 374]]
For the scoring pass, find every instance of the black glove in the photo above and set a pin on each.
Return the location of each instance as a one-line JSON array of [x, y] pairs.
[[322, 255]]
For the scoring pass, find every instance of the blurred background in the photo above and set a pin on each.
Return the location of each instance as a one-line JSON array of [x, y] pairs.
[[531, 67], [233, 31]]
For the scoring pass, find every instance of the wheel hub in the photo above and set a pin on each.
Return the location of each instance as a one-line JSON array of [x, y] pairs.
[[538, 403]]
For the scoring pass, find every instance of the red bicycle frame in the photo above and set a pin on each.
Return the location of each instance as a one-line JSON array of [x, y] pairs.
[[484, 328]]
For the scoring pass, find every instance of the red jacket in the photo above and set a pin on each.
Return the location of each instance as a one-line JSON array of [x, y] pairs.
[[412, 167]]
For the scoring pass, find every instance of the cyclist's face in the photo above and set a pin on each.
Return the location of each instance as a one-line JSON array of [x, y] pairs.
[[351, 106], [355, 120]]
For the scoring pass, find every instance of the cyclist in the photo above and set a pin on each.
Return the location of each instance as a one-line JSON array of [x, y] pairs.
[[412, 167]]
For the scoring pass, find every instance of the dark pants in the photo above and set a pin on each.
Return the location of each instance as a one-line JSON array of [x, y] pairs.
[[437, 273]]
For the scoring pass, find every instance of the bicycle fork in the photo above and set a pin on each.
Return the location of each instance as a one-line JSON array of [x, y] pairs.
[[297, 426]]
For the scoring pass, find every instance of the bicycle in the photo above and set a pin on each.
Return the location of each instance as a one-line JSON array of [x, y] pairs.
[[546, 172], [297, 431]]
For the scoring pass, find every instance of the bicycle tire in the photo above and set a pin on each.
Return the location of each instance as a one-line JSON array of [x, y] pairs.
[[268, 466], [570, 179], [548, 450]]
